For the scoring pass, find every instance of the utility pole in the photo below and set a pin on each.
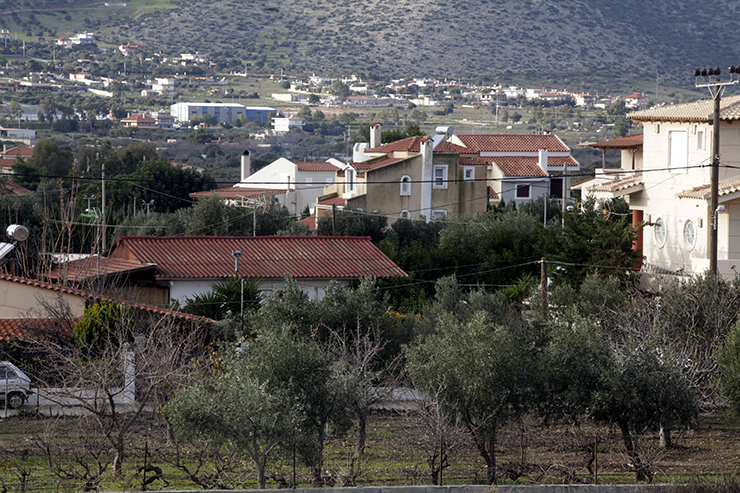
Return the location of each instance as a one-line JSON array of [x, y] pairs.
[[103, 206], [543, 284], [716, 88]]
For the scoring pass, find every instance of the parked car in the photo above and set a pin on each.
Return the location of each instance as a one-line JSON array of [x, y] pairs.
[[15, 386]]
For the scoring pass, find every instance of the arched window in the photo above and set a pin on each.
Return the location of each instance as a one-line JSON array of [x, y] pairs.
[[405, 185]]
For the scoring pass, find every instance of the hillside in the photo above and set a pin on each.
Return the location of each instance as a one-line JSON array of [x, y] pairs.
[[406, 37]]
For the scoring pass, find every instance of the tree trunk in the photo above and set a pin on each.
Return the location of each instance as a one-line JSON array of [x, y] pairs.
[[261, 481], [487, 449], [120, 445], [641, 472], [665, 437], [361, 432], [318, 481]]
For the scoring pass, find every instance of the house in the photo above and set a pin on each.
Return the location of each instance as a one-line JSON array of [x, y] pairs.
[[182, 267], [8, 157], [668, 187], [142, 121], [29, 306], [160, 87], [636, 100], [294, 184], [285, 124], [448, 174]]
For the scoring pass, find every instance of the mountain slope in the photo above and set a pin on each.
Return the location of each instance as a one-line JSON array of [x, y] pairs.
[[423, 37]]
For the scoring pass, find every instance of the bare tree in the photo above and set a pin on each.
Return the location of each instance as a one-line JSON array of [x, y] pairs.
[[120, 377]]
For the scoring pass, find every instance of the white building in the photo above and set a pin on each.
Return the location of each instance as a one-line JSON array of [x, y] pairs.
[[285, 124]]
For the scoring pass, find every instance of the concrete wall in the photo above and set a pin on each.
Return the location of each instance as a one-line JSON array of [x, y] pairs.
[[19, 300]]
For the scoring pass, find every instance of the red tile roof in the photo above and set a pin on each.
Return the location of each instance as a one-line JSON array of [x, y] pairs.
[[315, 166], [14, 189], [263, 257], [492, 195], [336, 200], [309, 222], [409, 144], [413, 144], [627, 142], [512, 143], [87, 268], [14, 329], [139, 118], [237, 193], [476, 161], [519, 166], [377, 164]]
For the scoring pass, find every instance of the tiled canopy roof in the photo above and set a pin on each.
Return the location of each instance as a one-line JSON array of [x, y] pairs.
[[377, 164], [512, 143], [263, 257], [700, 112], [703, 192], [237, 193], [91, 267], [14, 329], [519, 166], [627, 142], [634, 181]]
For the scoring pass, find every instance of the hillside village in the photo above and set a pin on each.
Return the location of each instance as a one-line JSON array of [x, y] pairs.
[[259, 270]]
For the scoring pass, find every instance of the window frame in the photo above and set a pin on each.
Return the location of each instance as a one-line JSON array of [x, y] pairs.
[[689, 245], [470, 169], [443, 180], [523, 186], [439, 214], [678, 159], [660, 240], [405, 186]]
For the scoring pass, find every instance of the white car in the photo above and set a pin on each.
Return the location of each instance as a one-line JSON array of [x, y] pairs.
[[15, 386]]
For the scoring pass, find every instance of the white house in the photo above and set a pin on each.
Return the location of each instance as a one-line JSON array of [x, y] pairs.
[[285, 124], [294, 184], [669, 187], [186, 266]]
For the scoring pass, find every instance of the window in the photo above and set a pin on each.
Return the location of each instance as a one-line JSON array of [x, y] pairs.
[[522, 191], [659, 232], [440, 177], [350, 180], [556, 188], [700, 146], [468, 173], [439, 214], [677, 151], [689, 234], [405, 215], [406, 185]]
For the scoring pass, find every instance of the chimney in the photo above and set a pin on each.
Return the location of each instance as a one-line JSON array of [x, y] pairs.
[[246, 165], [427, 164], [543, 160], [375, 133]]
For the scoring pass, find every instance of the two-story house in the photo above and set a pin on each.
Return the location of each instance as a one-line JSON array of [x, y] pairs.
[[447, 174], [669, 186]]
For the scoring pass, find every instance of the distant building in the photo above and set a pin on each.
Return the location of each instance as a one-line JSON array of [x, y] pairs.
[[284, 125], [83, 39], [229, 113], [141, 121]]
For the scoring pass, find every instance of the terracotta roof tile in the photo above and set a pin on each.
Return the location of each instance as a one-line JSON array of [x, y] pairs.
[[309, 222], [13, 329], [519, 166], [315, 166], [15, 189], [699, 111], [336, 200], [87, 268], [263, 257], [377, 164], [492, 195], [409, 144], [618, 185], [512, 143], [703, 192], [627, 142], [237, 193]]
